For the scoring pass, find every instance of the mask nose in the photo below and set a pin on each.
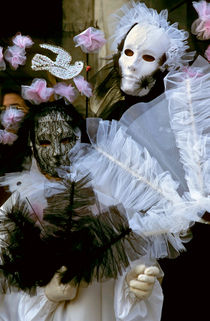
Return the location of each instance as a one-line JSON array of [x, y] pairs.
[[132, 68], [56, 149], [134, 64]]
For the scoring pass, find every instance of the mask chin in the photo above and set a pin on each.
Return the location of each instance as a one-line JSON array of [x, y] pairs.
[[133, 88]]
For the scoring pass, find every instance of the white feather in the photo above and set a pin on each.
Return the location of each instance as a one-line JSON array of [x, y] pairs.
[[32, 186], [189, 108], [124, 172]]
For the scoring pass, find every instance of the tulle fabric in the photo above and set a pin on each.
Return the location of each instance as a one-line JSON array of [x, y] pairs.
[[90, 40], [123, 172], [161, 198], [11, 118], [201, 29], [33, 187], [7, 137], [201, 26], [189, 98], [137, 12], [149, 125], [15, 55], [68, 92], [83, 86], [22, 41], [37, 92]]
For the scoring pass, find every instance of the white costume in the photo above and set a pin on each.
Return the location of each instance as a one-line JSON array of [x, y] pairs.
[[112, 301], [97, 302], [108, 301]]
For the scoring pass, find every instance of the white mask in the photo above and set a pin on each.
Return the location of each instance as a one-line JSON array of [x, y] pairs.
[[140, 58]]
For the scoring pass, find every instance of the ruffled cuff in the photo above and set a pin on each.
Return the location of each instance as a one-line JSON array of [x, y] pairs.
[[36, 308], [129, 308]]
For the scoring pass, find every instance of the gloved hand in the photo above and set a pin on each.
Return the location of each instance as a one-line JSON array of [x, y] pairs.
[[56, 291], [141, 280]]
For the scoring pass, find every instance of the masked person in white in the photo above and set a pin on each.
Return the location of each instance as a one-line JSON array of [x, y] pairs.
[[136, 295], [145, 47]]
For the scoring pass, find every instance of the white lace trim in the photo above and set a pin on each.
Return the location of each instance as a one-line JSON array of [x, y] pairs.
[[136, 12]]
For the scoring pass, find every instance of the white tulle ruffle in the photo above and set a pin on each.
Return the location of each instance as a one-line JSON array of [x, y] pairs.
[[188, 93], [137, 12], [32, 186], [124, 172]]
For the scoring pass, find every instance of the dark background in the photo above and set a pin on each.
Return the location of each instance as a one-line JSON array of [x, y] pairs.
[[39, 18]]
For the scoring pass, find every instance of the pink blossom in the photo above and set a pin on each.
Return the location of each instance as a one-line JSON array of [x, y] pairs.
[[2, 62], [191, 72], [201, 26], [207, 53], [67, 91], [90, 40], [11, 118], [7, 137], [22, 41], [37, 92], [203, 9], [207, 29], [15, 56], [83, 86]]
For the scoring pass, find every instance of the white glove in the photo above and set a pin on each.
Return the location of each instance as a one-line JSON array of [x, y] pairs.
[[141, 280], [56, 291]]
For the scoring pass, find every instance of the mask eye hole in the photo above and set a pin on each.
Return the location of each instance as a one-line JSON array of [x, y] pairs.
[[65, 140], [129, 52], [44, 142], [148, 58]]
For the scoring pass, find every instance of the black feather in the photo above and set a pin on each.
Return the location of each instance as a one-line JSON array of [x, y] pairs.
[[94, 246], [90, 241], [23, 253]]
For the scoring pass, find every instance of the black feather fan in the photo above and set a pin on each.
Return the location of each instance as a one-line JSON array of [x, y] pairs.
[[90, 241], [23, 252]]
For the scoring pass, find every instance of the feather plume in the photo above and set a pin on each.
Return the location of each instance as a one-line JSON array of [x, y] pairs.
[[95, 243], [23, 253], [188, 93], [124, 172], [76, 232]]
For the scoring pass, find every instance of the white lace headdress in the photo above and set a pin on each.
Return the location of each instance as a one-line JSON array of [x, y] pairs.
[[137, 12]]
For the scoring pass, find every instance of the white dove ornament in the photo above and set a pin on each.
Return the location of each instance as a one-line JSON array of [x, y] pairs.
[[61, 67]]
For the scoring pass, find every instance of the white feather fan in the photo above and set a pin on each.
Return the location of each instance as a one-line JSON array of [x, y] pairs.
[[124, 172], [188, 94]]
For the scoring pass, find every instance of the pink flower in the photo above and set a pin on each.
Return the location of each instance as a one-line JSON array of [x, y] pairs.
[[37, 92], [15, 56], [207, 53], [7, 137], [201, 26], [67, 91], [83, 86], [191, 72], [203, 9], [2, 62], [22, 41], [90, 40], [11, 118]]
